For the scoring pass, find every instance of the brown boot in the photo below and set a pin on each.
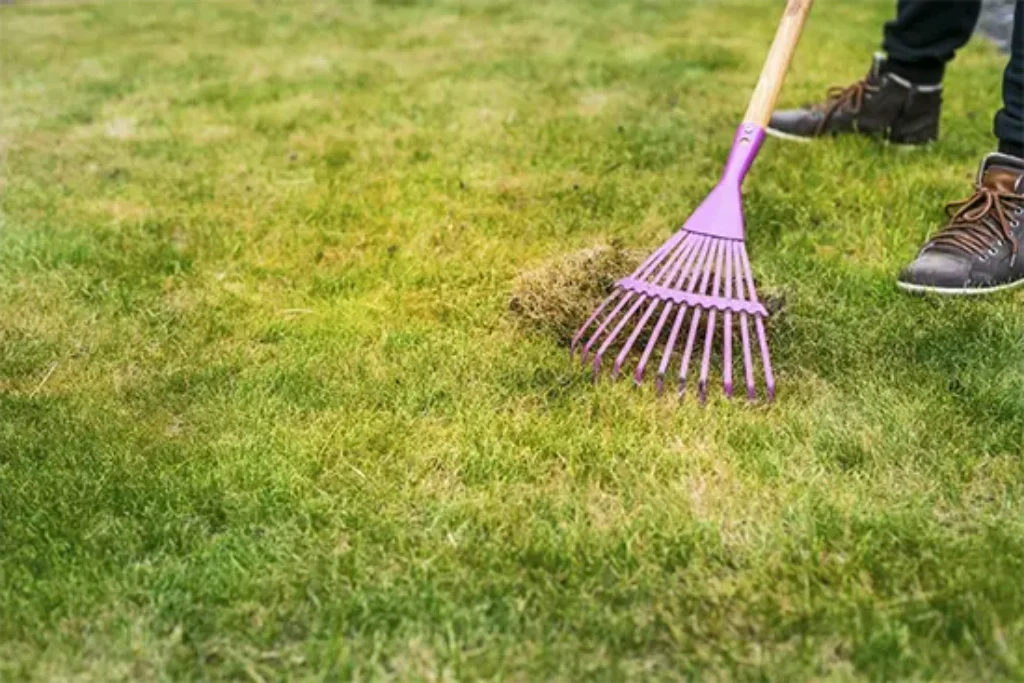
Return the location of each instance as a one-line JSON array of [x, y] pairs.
[[880, 105], [980, 249]]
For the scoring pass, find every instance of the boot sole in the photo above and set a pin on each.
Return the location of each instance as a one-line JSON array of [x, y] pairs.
[[957, 291], [786, 136], [901, 146]]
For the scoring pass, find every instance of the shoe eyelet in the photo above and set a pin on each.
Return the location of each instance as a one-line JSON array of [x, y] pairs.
[[1019, 211], [993, 250], [1015, 224]]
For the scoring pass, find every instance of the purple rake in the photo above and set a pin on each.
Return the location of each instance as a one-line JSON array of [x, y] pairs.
[[700, 279]]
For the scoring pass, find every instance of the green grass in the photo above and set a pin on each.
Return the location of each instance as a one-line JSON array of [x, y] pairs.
[[264, 414]]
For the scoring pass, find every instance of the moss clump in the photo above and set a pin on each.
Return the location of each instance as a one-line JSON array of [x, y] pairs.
[[557, 297]]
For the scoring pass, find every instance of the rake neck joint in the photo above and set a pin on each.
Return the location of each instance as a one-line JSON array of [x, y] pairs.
[[745, 146]]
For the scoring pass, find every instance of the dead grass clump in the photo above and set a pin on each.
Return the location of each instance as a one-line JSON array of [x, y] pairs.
[[557, 297]]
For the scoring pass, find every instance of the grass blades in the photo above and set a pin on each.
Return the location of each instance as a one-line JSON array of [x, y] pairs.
[[264, 413]]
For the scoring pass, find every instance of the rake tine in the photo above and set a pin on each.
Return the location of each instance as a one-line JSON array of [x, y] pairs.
[[688, 350], [620, 359], [669, 345], [638, 376], [748, 363], [604, 324], [579, 334], [727, 329], [705, 363], [615, 333], [695, 322], [769, 378], [666, 357]]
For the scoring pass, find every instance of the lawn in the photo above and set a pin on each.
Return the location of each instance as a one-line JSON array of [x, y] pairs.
[[265, 413]]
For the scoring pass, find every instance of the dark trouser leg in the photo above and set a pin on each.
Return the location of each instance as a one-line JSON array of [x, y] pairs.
[[1009, 123], [925, 34]]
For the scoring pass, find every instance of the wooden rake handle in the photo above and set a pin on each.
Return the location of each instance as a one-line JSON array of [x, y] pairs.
[[762, 102]]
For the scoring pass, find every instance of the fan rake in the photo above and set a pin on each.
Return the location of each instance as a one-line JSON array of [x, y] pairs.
[[698, 286]]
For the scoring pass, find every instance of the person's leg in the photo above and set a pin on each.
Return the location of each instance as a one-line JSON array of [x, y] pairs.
[[981, 249], [1009, 122], [926, 34], [901, 97]]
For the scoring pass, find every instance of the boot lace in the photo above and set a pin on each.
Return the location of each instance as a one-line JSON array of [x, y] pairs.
[[975, 221], [839, 97]]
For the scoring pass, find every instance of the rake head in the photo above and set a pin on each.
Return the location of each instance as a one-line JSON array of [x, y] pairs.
[[694, 292]]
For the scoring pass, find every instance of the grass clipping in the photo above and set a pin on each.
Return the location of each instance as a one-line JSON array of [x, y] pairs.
[[557, 297]]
